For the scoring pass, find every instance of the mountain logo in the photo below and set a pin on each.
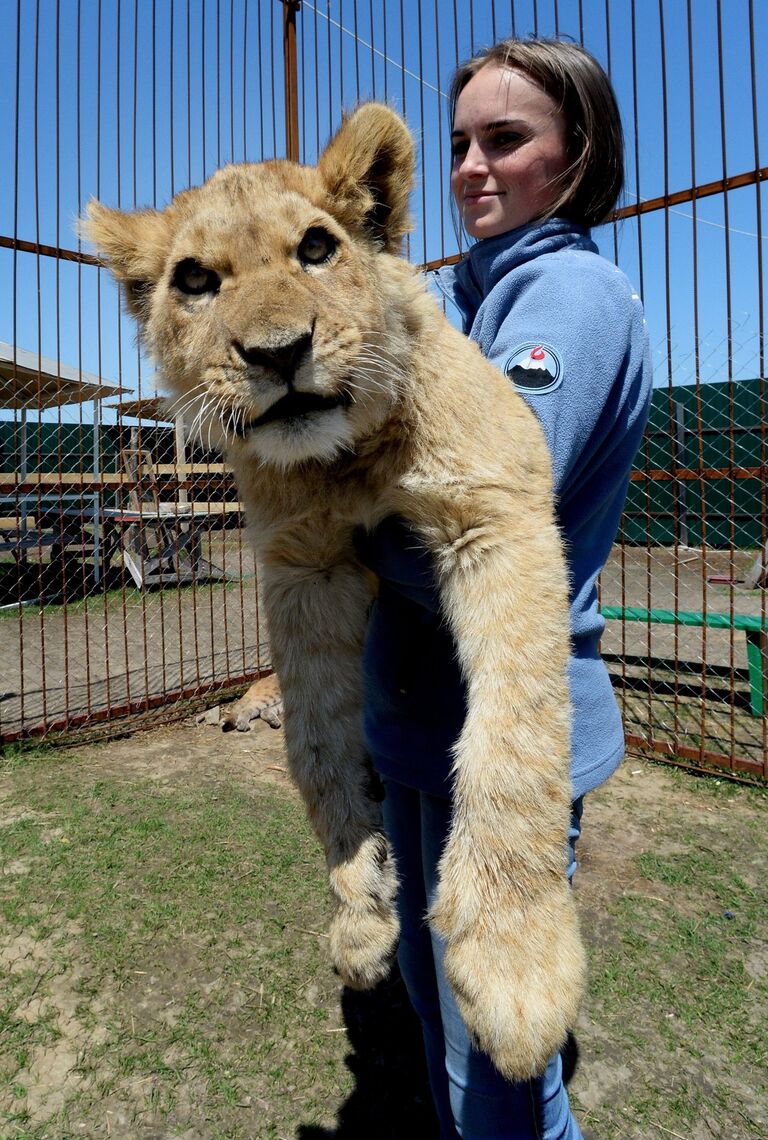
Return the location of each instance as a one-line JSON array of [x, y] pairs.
[[534, 368]]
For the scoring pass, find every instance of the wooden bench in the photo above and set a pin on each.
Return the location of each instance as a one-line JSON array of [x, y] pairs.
[[21, 536], [755, 629]]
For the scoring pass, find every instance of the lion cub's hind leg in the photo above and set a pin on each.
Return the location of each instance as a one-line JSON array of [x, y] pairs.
[[317, 601]]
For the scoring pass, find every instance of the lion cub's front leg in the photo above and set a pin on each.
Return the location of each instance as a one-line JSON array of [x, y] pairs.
[[317, 617], [513, 952]]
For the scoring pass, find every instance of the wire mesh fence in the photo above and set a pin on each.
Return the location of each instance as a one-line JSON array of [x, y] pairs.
[[125, 580]]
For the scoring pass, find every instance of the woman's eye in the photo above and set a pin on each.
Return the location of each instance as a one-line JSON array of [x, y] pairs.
[[194, 279], [506, 139], [316, 246]]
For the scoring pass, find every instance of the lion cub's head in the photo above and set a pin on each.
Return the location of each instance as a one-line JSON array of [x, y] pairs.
[[262, 293]]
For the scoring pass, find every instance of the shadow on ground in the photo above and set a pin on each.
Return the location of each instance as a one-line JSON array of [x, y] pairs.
[[390, 1098]]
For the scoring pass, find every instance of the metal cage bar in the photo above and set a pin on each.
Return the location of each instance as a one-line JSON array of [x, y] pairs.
[[128, 591]]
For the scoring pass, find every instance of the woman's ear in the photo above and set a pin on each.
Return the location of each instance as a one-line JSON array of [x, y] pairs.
[[133, 246], [368, 169]]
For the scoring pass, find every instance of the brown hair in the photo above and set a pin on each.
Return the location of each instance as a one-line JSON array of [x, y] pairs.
[[583, 93]]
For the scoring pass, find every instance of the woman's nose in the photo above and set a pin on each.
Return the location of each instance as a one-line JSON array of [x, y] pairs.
[[472, 162]]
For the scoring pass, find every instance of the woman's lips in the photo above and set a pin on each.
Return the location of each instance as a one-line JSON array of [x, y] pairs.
[[478, 196]]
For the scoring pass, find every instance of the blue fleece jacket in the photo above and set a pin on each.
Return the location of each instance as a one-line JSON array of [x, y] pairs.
[[567, 328]]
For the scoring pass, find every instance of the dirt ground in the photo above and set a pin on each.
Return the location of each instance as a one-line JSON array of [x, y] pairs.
[[644, 811]]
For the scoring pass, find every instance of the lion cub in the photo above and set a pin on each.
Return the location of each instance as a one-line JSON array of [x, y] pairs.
[[297, 342]]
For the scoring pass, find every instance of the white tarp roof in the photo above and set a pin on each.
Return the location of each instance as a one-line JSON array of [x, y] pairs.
[[28, 380]]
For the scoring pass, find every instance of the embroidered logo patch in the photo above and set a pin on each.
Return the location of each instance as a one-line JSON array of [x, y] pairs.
[[535, 368]]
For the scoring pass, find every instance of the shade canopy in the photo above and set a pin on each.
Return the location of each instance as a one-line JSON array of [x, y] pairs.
[[33, 382]]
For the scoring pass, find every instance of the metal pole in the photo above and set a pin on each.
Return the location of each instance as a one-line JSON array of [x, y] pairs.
[[290, 8], [181, 454], [96, 502], [679, 460]]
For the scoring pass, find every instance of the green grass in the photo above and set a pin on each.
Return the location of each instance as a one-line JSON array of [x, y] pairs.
[[169, 926], [165, 972], [679, 988]]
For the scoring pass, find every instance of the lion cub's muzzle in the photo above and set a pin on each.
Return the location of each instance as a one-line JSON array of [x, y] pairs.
[[281, 362], [293, 405], [282, 359]]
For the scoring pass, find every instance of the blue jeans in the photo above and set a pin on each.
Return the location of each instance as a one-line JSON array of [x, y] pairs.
[[473, 1100]]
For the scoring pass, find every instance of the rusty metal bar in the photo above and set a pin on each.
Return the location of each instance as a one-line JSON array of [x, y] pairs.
[[118, 713], [763, 391], [669, 750], [660, 475], [678, 501], [664, 201], [729, 322], [694, 759], [702, 486], [290, 8], [640, 284], [706, 190]]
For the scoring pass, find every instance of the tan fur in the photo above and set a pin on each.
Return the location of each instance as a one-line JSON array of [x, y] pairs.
[[262, 700], [432, 432]]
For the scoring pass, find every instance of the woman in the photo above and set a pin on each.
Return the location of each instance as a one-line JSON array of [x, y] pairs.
[[537, 160]]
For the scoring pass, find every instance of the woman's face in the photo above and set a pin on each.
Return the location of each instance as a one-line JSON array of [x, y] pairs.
[[509, 151]]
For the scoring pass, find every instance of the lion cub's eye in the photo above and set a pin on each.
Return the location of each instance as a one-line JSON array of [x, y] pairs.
[[191, 277], [316, 246]]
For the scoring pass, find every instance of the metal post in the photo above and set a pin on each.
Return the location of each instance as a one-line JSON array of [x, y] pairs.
[[96, 500], [679, 459], [181, 455], [290, 8], [22, 499]]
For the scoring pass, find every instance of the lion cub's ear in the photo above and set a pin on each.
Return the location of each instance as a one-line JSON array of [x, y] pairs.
[[133, 246], [368, 168]]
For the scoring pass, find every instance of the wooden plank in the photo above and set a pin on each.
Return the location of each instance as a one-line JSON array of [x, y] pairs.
[[65, 479], [110, 478], [212, 508], [184, 469], [660, 475]]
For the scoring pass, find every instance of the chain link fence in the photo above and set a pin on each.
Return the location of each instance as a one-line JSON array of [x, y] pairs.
[[125, 580]]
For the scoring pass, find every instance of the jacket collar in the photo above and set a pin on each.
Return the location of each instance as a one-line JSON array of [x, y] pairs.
[[491, 259]]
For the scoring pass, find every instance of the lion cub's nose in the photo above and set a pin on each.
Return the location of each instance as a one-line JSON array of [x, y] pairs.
[[281, 358]]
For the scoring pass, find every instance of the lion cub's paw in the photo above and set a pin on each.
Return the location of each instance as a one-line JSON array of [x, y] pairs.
[[518, 980], [363, 945], [364, 929]]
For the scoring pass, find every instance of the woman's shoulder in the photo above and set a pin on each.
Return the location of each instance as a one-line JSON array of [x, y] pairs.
[[575, 305], [576, 292], [584, 270], [569, 285], [558, 277]]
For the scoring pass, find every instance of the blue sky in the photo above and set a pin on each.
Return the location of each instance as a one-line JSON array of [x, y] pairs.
[[131, 100]]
